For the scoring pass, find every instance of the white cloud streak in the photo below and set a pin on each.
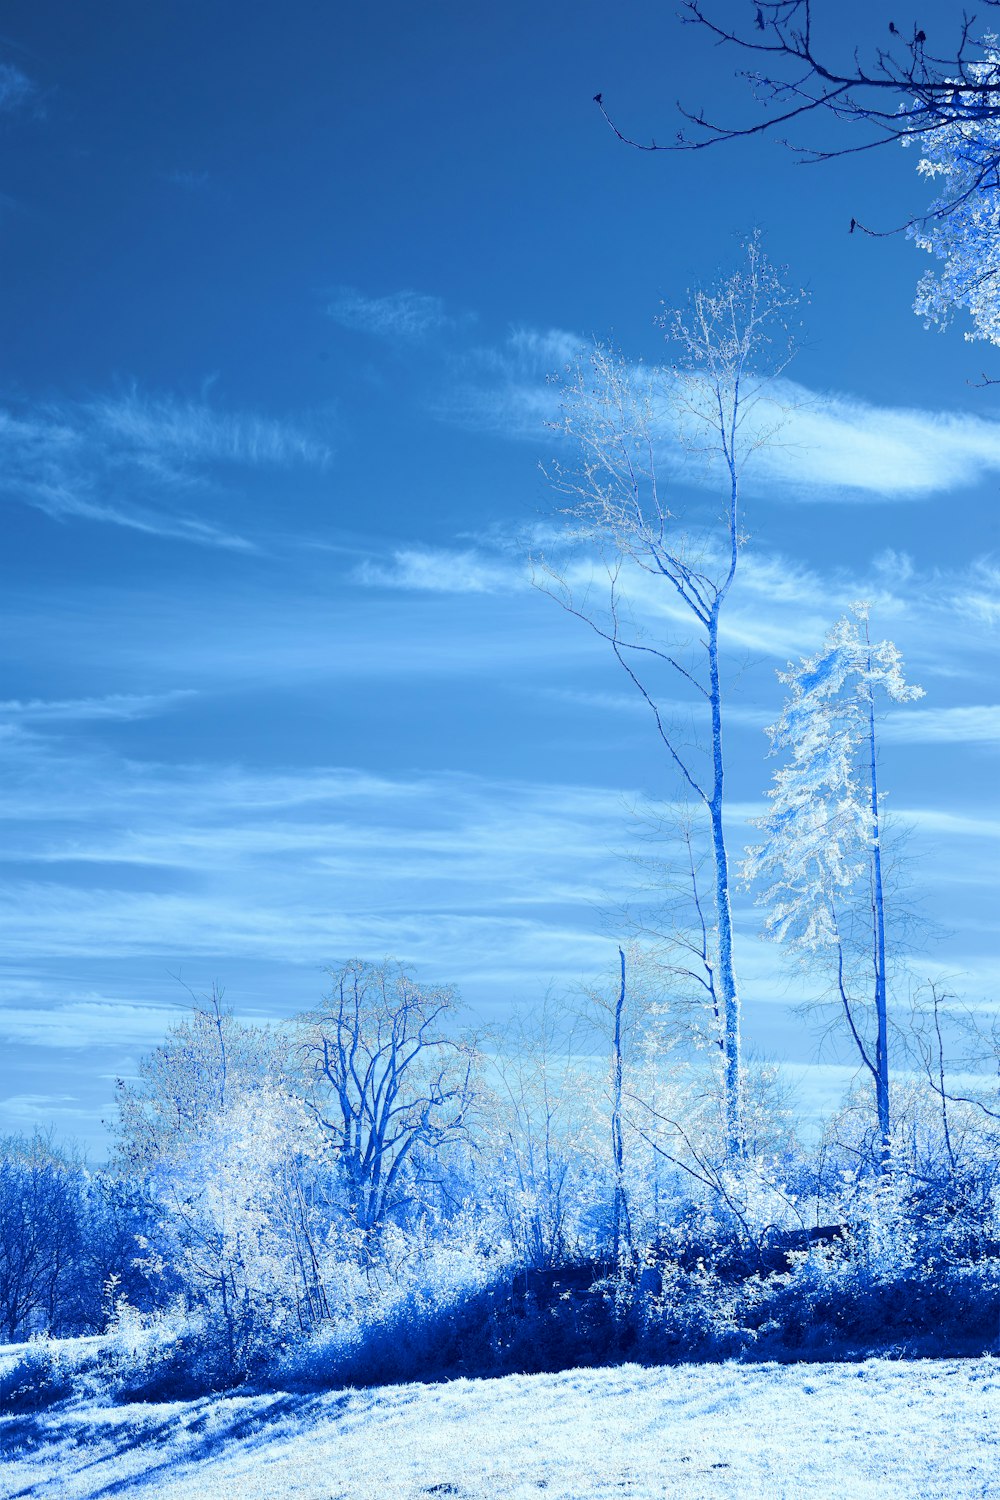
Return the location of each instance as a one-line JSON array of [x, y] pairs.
[[155, 429], [508, 389], [140, 462], [66, 502], [84, 1022], [441, 571], [835, 446], [974, 724], [948, 823], [777, 605], [16, 89], [828, 445], [113, 706], [174, 866], [408, 316]]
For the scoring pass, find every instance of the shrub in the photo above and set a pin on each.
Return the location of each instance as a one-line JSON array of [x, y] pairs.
[[927, 1310], [41, 1377]]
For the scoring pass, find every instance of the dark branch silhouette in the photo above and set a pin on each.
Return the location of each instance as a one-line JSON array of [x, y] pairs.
[[902, 91]]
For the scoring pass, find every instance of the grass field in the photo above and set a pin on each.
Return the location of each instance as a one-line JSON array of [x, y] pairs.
[[883, 1428]]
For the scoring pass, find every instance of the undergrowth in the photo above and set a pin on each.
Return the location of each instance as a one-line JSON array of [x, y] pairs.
[[820, 1309]]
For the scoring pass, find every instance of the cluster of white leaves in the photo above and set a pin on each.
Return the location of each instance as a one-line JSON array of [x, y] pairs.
[[266, 1193], [820, 828], [235, 1230], [962, 226]]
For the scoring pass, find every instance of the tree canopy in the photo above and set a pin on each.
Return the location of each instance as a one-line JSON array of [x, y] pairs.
[[941, 97]]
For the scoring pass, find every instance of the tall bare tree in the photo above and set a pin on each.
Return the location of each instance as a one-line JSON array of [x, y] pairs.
[[634, 427]]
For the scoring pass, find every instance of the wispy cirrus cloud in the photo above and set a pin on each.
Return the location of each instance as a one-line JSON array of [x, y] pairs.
[[507, 388], [81, 1023], [113, 706], [972, 724], [104, 856], [141, 462], [778, 607], [835, 446], [943, 620], [410, 316], [952, 823], [157, 429], [252, 640], [183, 863], [826, 445], [441, 570], [71, 502], [189, 181], [977, 597], [16, 89]]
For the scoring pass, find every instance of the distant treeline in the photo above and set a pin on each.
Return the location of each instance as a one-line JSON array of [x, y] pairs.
[[374, 1192]]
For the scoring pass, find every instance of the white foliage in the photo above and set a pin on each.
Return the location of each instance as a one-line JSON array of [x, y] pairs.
[[962, 226], [237, 1223], [820, 828]]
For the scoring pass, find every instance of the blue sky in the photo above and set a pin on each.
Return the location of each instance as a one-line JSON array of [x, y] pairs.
[[281, 291]]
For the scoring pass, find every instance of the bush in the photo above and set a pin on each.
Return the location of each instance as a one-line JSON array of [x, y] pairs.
[[827, 1306], [503, 1328], [41, 1377], [933, 1310], [176, 1354]]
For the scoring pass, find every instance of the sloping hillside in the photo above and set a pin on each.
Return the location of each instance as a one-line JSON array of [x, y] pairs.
[[879, 1429]]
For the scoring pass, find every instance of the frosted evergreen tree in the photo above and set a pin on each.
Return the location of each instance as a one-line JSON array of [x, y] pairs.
[[821, 860]]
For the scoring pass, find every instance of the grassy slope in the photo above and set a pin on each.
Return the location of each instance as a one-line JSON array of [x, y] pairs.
[[884, 1428]]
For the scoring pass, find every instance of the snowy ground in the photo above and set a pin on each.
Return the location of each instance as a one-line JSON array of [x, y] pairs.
[[884, 1428]]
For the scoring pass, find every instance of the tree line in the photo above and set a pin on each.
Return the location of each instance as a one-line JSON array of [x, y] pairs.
[[376, 1164]]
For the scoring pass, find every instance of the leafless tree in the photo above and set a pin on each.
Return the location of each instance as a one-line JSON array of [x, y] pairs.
[[616, 1013], [536, 1137], [632, 427], [903, 87], [672, 921], [934, 1007], [387, 1077], [39, 1233]]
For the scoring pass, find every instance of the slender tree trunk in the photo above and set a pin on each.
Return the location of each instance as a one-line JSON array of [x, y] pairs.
[[622, 1223], [227, 1315], [878, 930], [732, 1060]]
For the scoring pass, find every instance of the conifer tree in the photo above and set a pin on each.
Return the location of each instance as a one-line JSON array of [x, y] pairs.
[[821, 862]]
